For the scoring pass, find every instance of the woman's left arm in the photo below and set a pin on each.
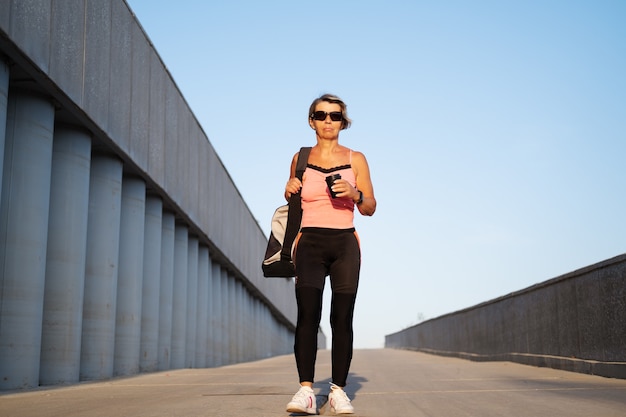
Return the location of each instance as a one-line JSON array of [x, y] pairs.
[[364, 186]]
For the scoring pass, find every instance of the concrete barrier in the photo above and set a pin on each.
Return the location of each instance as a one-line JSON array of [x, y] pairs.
[[125, 246], [574, 322]]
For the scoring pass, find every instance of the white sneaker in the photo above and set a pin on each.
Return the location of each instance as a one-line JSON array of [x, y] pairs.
[[303, 402], [339, 401]]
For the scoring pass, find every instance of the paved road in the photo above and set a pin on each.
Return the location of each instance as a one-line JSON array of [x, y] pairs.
[[383, 383]]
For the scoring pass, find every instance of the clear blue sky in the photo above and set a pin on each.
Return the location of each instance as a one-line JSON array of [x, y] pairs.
[[495, 131]]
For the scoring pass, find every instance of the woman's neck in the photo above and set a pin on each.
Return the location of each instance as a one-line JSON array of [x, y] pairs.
[[328, 147]]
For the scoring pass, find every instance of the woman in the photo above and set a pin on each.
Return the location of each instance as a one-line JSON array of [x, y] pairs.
[[328, 245]]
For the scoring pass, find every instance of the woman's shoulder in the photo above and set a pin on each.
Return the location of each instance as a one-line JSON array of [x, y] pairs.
[[358, 162], [357, 155]]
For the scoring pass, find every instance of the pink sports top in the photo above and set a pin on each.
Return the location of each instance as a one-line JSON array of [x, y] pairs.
[[319, 209]]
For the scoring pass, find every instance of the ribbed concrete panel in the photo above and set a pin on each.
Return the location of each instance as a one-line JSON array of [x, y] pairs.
[[5, 15], [197, 143], [29, 29], [119, 94], [66, 49], [66, 255], [230, 232], [214, 208], [97, 61], [171, 179], [4, 96], [139, 98], [573, 322], [205, 188], [184, 179], [156, 130]]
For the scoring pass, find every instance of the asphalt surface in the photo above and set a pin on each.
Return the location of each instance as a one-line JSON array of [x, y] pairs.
[[382, 383]]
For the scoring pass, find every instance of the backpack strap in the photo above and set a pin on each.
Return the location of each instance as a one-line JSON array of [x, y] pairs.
[[303, 159], [294, 218]]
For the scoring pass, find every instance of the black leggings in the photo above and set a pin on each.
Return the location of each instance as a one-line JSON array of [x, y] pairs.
[[322, 252]]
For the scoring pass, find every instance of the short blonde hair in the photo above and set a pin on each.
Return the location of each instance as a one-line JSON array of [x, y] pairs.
[[330, 98]]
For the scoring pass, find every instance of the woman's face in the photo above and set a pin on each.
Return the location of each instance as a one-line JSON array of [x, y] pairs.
[[327, 128]]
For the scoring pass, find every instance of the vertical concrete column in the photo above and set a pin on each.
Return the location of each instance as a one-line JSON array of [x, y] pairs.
[[103, 232], [253, 341], [277, 338], [246, 339], [253, 333], [148, 360], [130, 277], [240, 322], [179, 302], [216, 314], [24, 210], [267, 322], [192, 302], [232, 319], [256, 330], [66, 254], [259, 334], [247, 321], [225, 321], [4, 97], [259, 327], [267, 315], [243, 321], [234, 314], [203, 306], [269, 325], [208, 340], [166, 291]]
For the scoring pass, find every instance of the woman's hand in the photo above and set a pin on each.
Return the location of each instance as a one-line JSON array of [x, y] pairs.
[[292, 187], [344, 189]]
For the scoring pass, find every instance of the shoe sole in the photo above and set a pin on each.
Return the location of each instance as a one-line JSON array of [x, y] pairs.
[[341, 412], [301, 411]]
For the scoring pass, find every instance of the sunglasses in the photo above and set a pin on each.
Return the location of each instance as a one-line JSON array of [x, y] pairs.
[[335, 116]]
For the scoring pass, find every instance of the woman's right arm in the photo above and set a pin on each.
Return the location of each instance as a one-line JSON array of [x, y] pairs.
[[294, 184]]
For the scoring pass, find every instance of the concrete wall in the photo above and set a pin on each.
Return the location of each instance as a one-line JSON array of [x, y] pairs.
[[125, 245], [574, 322]]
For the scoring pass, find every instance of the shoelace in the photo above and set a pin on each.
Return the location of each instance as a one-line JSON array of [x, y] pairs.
[[343, 397], [302, 393]]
